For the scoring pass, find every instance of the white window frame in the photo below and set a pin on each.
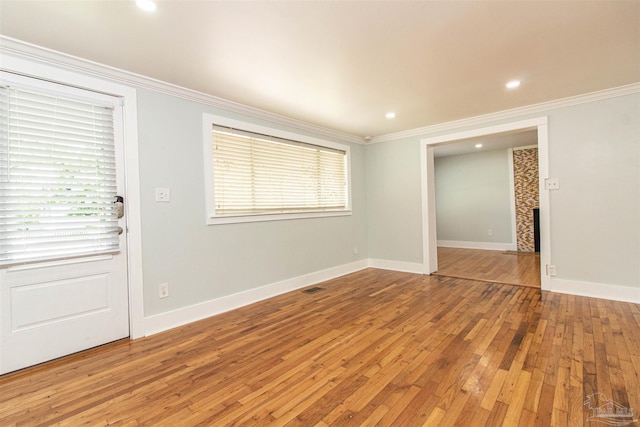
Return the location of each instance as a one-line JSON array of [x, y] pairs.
[[209, 120]]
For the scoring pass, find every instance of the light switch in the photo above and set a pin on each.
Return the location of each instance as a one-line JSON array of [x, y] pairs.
[[163, 195]]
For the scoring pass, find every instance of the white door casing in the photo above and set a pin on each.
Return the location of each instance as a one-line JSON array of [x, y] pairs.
[[429, 239], [53, 308]]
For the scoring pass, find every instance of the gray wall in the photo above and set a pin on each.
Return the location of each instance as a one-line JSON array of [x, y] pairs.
[[394, 205], [595, 220], [595, 223], [595, 216], [203, 262], [473, 196]]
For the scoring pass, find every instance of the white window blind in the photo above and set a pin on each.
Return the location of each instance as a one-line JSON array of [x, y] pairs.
[[260, 174], [57, 177]]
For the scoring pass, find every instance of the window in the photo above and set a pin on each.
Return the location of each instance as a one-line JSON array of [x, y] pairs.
[[257, 174], [57, 176]]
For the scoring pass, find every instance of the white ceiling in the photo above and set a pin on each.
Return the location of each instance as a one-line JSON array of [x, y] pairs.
[[344, 64]]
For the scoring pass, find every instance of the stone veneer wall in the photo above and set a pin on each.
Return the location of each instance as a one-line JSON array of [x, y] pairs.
[[525, 176]]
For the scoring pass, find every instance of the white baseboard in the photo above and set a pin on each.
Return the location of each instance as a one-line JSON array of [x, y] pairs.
[[165, 321], [491, 246], [406, 267], [596, 290]]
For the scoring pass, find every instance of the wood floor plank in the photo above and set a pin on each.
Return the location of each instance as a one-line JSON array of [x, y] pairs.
[[514, 268], [374, 348]]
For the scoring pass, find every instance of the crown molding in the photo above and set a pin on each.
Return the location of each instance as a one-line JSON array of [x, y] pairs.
[[540, 108], [47, 56]]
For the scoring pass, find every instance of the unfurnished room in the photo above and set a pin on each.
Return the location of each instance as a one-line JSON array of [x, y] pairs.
[[319, 213]]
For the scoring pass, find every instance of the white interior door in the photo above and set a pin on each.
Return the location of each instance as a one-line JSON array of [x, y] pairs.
[[63, 263]]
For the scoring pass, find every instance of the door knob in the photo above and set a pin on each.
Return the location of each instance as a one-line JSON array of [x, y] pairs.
[[119, 206]]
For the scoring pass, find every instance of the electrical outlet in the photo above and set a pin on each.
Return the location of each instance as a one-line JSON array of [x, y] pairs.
[[490, 232], [551, 270], [355, 250], [163, 194], [163, 290], [552, 184]]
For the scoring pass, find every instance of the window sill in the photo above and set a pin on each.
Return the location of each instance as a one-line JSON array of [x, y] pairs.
[[234, 219]]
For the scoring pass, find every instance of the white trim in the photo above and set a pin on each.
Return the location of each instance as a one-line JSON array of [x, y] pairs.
[[544, 204], [172, 319], [74, 63], [236, 219], [525, 147], [403, 266], [43, 55], [596, 290], [428, 190], [29, 65], [514, 113], [527, 124], [512, 201], [134, 216], [490, 246], [101, 71], [165, 321]]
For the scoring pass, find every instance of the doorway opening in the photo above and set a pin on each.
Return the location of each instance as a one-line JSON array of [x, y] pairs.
[[495, 137]]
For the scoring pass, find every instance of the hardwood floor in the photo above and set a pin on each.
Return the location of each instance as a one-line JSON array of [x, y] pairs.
[[374, 348], [513, 268]]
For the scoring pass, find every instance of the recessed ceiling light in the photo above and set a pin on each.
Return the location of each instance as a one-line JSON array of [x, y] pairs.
[[513, 84], [390, 115], [147, 5], [478, 145]]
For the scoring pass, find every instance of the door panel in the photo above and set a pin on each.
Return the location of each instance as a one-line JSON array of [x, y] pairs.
[[55, 311], [31, 303], [49, 309]]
